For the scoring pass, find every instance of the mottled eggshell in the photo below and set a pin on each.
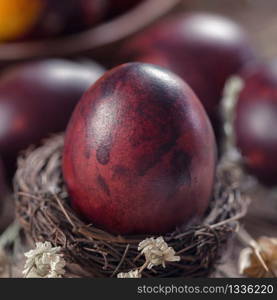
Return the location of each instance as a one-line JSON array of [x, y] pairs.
[[204, 49], [139, 153], [256, 121], [37, 99]]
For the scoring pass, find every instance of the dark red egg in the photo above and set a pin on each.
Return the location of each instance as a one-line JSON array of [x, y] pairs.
[[139, 153], [256, 121], [37, 99], [204, 49]]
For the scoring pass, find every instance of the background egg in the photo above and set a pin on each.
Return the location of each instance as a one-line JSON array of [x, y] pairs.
[[256, 121], [37, 99]]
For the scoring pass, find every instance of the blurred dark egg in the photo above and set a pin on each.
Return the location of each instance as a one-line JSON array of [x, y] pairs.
[[256, 121], [36, 99]]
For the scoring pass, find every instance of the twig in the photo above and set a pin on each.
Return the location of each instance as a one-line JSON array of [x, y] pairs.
[[121, 260], [64, 211], [245, 238]]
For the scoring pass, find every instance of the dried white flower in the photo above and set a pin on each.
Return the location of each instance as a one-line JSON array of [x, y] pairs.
[[251, 265], [157, 252], [132, 274], [44, 262]]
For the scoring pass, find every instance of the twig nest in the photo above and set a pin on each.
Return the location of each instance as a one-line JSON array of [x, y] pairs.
[[44, 211]]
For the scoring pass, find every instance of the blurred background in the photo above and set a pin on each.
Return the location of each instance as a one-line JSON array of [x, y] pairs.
[[52, 51], [255, 15]]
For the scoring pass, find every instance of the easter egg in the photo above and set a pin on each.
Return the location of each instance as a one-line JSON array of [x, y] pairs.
[[139, 154]]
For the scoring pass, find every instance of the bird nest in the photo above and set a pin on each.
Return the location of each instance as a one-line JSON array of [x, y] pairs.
[[44, 212]]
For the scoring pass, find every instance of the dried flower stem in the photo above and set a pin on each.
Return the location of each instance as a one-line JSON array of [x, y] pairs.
[[144, 266], [121, 260], [246, 239], [9, 235]]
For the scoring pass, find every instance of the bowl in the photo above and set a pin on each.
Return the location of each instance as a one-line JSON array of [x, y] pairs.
[[96, 41]]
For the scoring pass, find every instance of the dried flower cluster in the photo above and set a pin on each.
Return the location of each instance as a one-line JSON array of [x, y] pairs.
[[156, 252], [132, 274], [262, 264], [44, 262]]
